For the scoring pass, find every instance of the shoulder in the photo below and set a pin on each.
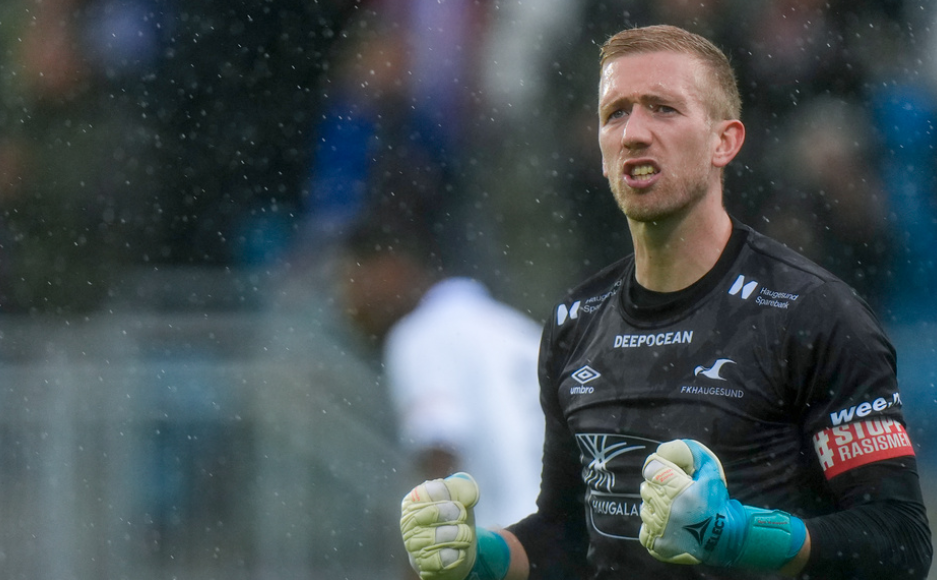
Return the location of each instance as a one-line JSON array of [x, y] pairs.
[[594, 292], [776, 271], [816, 304], [780, 259]]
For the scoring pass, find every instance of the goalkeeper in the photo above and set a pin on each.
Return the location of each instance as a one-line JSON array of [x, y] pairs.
[[716, 405]]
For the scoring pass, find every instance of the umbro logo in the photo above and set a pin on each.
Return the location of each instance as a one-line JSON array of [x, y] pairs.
[[586, 374], [746, 288], [583, 376]]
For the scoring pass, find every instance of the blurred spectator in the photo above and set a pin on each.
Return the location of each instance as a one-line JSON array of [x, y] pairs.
[[904, 111], [461, 367], [829, 203], [796, 52], [229, 102], [71, 160], [518, 52], [396, 122]]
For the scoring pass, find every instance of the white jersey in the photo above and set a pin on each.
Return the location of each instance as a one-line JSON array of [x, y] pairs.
[[462, 368]]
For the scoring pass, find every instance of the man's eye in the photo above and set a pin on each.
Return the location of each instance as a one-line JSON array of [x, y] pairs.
[[663, 109], [618, 114]]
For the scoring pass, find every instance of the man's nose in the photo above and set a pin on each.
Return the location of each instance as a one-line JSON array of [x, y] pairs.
[[636, 133]]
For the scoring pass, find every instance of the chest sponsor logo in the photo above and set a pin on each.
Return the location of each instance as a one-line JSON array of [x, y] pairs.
[[612, 474], [742, 287], [713, 373], [564, 313], [864, 409], [658, 339], [846, 447], [745, 289], [582, 376], [571, 312]]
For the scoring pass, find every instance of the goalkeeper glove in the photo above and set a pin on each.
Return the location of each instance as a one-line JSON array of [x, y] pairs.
[[438, 527], [688, 517]]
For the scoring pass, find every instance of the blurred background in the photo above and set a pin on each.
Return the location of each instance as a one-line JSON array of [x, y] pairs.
[[182, 391]]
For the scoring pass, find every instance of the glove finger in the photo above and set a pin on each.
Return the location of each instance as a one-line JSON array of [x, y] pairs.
[[645, 537], [461, 487], [655, 522], [442, 547], [427, 492], [652, 501], [433, 514], [450, 556], [661, 473], [655, 513], [427, 539], [418, 540], [439, 492], [647, 492], [679, 454], [431, 562], [446, 534], [450, 511], [656, 505], [707, 463]]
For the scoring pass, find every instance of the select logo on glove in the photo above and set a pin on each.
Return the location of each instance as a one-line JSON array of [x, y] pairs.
[[846, 447], [698, 531]]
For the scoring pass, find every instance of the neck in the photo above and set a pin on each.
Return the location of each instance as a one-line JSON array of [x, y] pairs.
[[671, 255]]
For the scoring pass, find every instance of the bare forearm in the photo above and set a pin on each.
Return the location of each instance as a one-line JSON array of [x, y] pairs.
[[519, 568], [796, 565]]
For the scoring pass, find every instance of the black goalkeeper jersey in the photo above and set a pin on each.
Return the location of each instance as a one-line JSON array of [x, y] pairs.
[[769, 360]]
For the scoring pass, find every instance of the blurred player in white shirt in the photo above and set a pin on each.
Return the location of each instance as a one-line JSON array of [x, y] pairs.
[[461, 367]]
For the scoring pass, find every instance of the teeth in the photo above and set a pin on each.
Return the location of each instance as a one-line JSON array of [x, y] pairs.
[[643, 171]]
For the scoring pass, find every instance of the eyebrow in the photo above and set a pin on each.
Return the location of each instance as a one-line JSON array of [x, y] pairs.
[[654, 98]]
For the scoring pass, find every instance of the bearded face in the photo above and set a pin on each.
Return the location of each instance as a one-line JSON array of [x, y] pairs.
[[656, 134]]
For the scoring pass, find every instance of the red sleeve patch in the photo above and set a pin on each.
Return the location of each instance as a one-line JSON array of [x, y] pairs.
[[850, 446]]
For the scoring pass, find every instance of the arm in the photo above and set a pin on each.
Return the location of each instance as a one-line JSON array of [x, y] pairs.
[[796, 565], [881, 528], [876, 536], [880, 531], [875, 525], [555, 538], [519, 568]]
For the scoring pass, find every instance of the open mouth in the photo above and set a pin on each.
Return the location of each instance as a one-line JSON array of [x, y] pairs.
[[643, 172]]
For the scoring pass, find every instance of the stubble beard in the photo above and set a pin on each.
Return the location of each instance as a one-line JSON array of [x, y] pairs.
[[659, 202]]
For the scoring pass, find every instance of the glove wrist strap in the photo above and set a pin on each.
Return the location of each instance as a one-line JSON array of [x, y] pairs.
[[772, 538], [492, 557]]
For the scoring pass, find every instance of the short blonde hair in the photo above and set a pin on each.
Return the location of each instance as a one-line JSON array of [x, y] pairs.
[[726, 102]]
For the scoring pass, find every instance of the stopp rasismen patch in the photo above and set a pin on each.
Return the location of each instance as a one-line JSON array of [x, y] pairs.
[[846, 447]]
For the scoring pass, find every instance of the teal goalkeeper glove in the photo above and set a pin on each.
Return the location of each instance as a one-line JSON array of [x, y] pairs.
[[438, 527], [688, 517]]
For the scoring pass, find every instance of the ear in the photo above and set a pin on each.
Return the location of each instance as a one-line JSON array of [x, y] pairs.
[[730, 135]]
